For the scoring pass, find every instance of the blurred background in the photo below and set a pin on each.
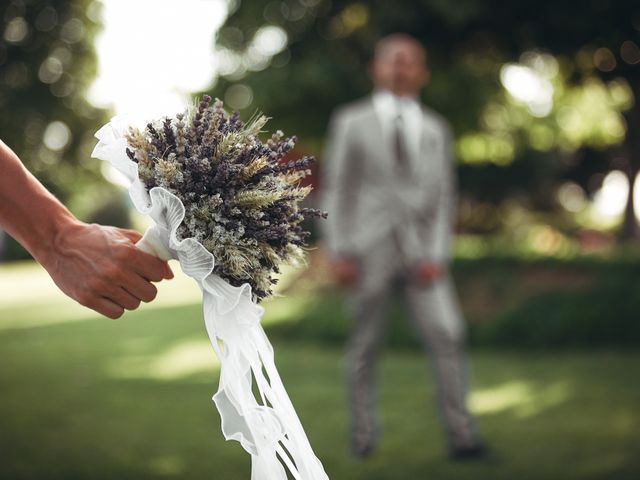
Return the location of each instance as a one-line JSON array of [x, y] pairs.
[[544, 100]]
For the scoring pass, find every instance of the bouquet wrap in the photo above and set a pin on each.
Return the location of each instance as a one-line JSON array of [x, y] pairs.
[[267, 427]]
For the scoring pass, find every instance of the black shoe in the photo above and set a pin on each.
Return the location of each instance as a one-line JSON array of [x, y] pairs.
[[472, 452]]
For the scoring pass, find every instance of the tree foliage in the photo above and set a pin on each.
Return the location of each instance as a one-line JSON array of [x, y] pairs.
[[47, 62], [592, 47]]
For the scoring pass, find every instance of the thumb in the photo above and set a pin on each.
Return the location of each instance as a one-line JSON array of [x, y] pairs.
[[168, 272], [132, 235]]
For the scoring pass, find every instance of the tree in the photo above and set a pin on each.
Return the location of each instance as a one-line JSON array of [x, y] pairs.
[[598, 40], [328, 44], [47, 61]]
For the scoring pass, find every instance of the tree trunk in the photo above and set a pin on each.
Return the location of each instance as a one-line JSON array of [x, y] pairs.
[[630, 230]]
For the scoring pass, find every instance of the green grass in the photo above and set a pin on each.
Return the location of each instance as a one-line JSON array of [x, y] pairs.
[[83, 397]]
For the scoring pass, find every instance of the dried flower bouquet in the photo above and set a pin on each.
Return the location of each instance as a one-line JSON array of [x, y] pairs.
[[228, 208]]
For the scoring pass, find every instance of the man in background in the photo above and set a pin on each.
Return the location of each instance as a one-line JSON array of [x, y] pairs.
[[389, 192]]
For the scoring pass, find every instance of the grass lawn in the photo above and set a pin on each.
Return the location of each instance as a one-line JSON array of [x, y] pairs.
[[82, 397]]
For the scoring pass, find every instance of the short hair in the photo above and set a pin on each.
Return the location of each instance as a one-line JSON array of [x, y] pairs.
[[385, 42]]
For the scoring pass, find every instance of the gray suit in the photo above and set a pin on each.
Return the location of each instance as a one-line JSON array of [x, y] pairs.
[[388, 223]]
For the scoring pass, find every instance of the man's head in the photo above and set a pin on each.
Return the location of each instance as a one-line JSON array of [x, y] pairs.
[[399, 65]]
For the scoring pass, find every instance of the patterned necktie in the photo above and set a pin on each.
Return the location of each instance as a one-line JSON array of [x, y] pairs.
[[399, 145]]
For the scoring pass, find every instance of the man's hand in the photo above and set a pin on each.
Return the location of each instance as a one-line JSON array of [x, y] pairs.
[[428, 272], [346, 271], [101, 268]]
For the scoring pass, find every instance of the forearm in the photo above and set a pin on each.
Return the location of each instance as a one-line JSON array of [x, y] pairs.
[[28, 212]]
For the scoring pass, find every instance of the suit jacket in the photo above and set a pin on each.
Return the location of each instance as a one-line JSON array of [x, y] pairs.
[[367, 200]]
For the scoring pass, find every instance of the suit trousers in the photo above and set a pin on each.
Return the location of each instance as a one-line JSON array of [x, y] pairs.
[[436, 315]]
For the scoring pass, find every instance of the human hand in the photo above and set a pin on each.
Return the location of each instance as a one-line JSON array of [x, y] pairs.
[[346, 271], [101, 268], [427, 272]]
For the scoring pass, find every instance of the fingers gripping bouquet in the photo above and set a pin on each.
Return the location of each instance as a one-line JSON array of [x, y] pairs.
[[226, 206]]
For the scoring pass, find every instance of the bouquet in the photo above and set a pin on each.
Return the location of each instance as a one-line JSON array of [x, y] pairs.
[[227, 207]]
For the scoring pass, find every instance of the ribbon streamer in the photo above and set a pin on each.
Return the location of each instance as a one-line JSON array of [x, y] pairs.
[[267, 427]]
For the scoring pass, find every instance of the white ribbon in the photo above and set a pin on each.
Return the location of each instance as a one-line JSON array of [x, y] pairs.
[[267, 427]]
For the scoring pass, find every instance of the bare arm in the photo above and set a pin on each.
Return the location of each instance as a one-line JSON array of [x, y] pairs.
[[98, 266]]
